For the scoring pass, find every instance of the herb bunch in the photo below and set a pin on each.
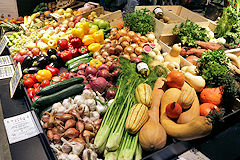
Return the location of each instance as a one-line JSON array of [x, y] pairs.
[[189, 32], [140, 21]]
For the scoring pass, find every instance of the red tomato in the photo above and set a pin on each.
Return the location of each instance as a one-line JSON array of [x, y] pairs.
[[27, 76], [64, 74], [45, 83], [36, 85], [36, 90], [30, 89], [53, 82], [35, 98], [34, 77], [63, 79], [28, 82], [30, 94], [206, 108]]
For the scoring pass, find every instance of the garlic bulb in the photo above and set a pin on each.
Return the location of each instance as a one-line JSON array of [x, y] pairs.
[[56, 106], [101, 108], [94, 115], [67, 102], [79, 98], [91, 104], [88, 94]]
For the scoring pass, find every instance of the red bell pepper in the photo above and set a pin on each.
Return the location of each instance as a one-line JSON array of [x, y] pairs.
[[52, 69], [76, 42], [66, 55], [83, 50], [70, 46], [63, 44], [71, 37], [74, 52]]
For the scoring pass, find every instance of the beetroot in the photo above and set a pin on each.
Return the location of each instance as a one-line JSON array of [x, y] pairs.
[[103, 73], [103, 66], [90, 70], [82, 66], [98, 84], [111, 93]]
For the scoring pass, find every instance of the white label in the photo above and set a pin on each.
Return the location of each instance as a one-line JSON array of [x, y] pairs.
[[5, 60], [6, 71], [20, 127], [158, 10], [141, 66], [3, 43], [192, 154], [55, 15], [15, 79]]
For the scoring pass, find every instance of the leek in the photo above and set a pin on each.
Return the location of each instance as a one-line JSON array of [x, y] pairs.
[[138, 153]]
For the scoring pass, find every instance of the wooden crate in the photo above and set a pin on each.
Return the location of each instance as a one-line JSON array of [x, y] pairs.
[[113, 17], [187, 14], [160, 27]]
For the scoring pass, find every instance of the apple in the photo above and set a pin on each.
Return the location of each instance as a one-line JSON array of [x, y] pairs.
[[35, 51], [57, 30], [69, 10], [23, 52], [71, 24], [79, 18], [18, 58], [67, 15], [76, 21], [65, 22], [65, 26], [72, 19], [55, 24], [62, 29]]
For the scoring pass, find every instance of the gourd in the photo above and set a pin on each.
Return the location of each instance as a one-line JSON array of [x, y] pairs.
[[175, 79], [137, 117], [190, 69], [169, 58], [187, 97], [196, 128], [197, 82], [144, 94], [176, 50], [152, 135]]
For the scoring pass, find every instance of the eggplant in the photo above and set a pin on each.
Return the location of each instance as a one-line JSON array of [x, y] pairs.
[[56, 58], [31, 70], [27, 62], [51, 51], [41, 62], [55, 65], [35, 58]]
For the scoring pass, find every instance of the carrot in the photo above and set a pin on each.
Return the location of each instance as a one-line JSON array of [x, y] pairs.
[[120, 25]]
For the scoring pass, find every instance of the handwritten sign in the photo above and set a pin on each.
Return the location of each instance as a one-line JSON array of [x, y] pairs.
[[3, 43], [20, 127], [5, 60], [15, 80], [6, 71], [192, 154]]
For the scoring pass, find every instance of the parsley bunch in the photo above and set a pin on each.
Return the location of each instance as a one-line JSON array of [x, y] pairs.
[[140, 21], [190, 32]]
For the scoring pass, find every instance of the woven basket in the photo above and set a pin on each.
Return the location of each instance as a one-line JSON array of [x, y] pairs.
[[64, 3]]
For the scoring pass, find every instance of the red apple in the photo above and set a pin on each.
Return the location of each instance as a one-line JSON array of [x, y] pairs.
[[23, 52], [79, 18], [35, 51], [72, 19], [65, 26], [18, 58], [71, 24], [173, 110]]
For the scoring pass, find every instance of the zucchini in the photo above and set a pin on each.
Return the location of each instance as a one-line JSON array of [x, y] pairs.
[[50, 89], [48, 109], [78, 58], [74, 70], [77, 63], [44, 101]]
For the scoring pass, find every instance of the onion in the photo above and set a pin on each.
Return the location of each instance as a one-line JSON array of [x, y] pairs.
[[114, 31], [127, 38], [141, 44], [126, 56], [131, 34], [133, 55], [103, 73], [103, 66], [95, 54], [114, 66], [114, 43], [99, 84], [111, 93], [136, 40], [138, 50], [81, 72], [107, 46], [118, 49], [143, 39], [111, 50], [88, 86], [102, 60], [124, 44], [128, 50], [109, 59], [107, 40], [134, 45], [138, 35], [151, 37], [105, 54], [90, 70], [121, 39], [71, 75], [82, 66], [122, 32], [109, 63]]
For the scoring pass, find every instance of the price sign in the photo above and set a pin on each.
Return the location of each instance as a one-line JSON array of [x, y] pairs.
[[55, 15], [15, 80], [20, 127], [192, 154], [5, 60], [3, 43], [6, 71]]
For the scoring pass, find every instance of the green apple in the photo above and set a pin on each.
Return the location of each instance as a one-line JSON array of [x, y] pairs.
[[95, 27], [103, 24], [10, 44], [69, 10], [96, 21], [15, 34]]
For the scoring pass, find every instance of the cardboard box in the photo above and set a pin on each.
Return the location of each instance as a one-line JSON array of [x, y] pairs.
[[160, 27]]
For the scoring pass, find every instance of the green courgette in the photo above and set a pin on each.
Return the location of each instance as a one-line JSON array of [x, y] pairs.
[[77, 63], [59, 86], [44, 101], [78, 58]]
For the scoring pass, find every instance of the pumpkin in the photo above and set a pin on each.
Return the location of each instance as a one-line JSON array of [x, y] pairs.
[[137, 117], [144, 94], [175, 79]]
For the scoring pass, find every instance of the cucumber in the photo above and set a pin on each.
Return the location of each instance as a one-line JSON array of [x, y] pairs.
[[78, 58], [74, 70], [59, 86], [48, 109], [44, 101], [77, 63]]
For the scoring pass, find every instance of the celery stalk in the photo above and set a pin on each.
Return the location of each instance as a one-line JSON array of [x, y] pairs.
[[138, 152]]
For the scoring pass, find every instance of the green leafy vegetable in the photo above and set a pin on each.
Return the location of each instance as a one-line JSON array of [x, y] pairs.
[[189, 32], [140, 21]]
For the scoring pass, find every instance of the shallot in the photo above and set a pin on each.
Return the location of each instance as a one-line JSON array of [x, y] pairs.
[[69, 124], [80, 126]]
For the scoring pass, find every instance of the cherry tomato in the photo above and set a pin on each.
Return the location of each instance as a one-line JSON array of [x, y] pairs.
[[35, 98], [34, 77], [30, 89], [63, 79], [36, 85], [64, 74], [30, 94], [28, 82], [27, 76], [206, 108], [45, 83]]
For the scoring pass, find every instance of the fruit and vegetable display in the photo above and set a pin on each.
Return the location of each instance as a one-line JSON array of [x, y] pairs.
[[103, 92]]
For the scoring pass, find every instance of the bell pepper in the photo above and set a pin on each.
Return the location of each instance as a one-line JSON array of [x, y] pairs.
[[70, 46], [70, 37], [43, 74], [95, 63], [52, 43], [63, 44], [92, 30], [74, 52], [85, 27], [45, 38], [66, 55], [78, 32], [94, 47], [76, 42], [88, 39], [53, 70], [83, 50], [98, 36]]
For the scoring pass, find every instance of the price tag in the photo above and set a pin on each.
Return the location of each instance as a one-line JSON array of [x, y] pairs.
[[20, 127], [15, 80], [55, 15], [5, 60], [6, 71], [192, 154], [3, 43]]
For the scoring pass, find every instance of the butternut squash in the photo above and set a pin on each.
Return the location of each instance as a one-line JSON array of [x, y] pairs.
[[197, 82], [169, 58], [196, 128], [176, 49], [152, 135]]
